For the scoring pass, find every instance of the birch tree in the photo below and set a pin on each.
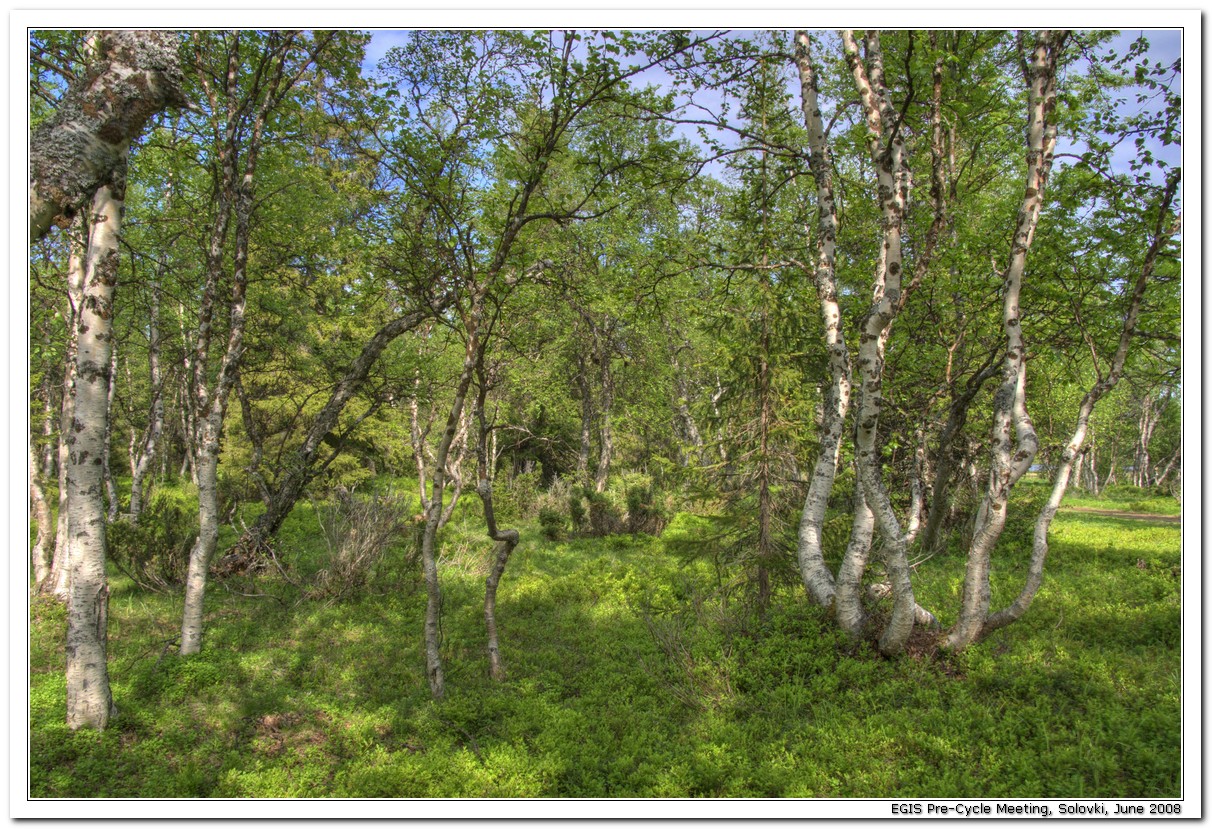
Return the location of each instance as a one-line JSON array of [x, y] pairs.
[[242, 110], [481, 120], [1014, 441], [78, 156], [61, 565], [134, 75], [89, 700], [1106, 381], [887, 137]]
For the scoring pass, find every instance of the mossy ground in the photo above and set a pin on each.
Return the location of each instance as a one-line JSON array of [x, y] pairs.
[[627, 679]]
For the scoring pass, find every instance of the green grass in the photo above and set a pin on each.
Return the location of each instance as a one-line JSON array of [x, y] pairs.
[[627, 679], [1125, 499]]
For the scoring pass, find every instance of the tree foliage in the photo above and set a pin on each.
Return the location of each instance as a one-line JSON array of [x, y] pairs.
[[833, 295]]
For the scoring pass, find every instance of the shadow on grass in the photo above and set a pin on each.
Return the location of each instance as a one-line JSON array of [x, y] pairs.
[[317, 700]]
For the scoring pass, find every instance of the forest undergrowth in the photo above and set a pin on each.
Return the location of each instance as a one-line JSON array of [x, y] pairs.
[[631, 673]]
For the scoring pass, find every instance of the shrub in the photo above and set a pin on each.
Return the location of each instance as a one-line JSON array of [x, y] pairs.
[[517, 499], [576, 512], [552, 523], [358, 531], [154, 552], [604, 519], [644, 515]]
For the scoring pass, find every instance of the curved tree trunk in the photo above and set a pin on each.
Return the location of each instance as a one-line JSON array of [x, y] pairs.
[[422, 453], [893, 187], [818, 581], [433, 515], [848, 599], [1014, 441], [134, 75], [1073, 449], [506, 540], [1170, 466], [303, 466]]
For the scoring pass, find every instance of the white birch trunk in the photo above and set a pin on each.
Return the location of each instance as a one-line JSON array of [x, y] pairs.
[[111, 490], [206, 463], [146, 453], [433, 513], [818, 581], [586, 445], [1170, 465], [913, 521], [48, 463], [1146, 424], [132, 76], [506, 540], [234, 195], [605, 431], [848, 599], [61, 567], [42, 552], [89, 701], [1011, 423], [1072, 452], [892, 177], [424, 456]]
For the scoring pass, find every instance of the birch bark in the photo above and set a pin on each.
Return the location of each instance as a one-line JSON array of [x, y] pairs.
[[240, 133], [61, 567], [42, 552], [134, 75], [89, 700], [586, 445], [433, 515], [155, 427], [1014, 440], [605, 431], [1073, 449], [107, 473], [818, 581], [889, 161]]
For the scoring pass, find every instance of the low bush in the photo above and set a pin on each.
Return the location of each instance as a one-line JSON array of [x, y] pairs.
[[517, 498], [604, 517], [358, 531], [577, 513], [634, 672], [154, 550], [644, 513], [551, 524]]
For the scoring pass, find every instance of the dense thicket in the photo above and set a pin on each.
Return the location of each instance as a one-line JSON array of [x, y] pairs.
[[834, 295]]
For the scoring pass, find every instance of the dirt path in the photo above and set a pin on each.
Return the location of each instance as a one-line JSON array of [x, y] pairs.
[[1140, 516]]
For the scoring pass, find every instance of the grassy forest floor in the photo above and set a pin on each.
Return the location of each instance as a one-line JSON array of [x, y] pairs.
[[627, 679]]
